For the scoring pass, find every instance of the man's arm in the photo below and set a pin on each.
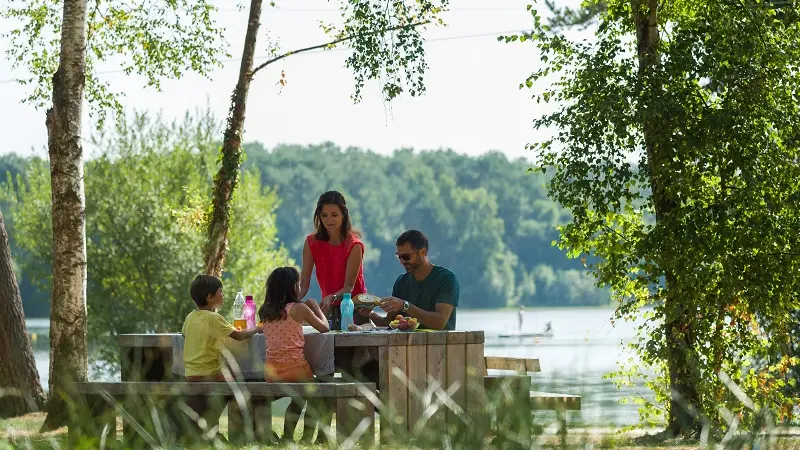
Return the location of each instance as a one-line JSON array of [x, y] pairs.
[[435, 320]]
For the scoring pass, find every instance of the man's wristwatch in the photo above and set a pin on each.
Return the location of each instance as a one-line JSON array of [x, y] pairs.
[[406, 306], [334, 298]]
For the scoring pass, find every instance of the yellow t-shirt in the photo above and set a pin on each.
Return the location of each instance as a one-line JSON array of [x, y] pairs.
[[204, 332]]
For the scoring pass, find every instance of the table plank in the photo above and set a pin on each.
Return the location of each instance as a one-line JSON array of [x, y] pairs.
[[398, 391], [437, 373], [418, 378], [476, 401], [361, 339], [456, 375], [163, 340], [456, 337]]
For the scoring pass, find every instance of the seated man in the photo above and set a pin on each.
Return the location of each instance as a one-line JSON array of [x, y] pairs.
[[426, 292]]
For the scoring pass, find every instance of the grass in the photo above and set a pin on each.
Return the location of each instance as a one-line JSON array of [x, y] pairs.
[[22, 433]]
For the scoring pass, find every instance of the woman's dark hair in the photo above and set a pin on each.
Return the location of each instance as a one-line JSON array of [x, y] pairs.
[[202, 287], [280, 292], [332, 198]]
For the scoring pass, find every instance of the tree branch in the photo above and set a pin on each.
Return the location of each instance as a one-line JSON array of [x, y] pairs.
[[334, 42]]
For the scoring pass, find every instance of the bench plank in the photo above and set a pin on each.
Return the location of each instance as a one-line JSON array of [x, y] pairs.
[[520, 365], [548, 401], [258, 389], [352, 404]]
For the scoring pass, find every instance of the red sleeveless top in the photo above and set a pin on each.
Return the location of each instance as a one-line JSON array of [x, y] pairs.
[[331, 264]]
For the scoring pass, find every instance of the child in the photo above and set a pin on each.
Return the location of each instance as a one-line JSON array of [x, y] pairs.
[[204, 331], [283, 315]]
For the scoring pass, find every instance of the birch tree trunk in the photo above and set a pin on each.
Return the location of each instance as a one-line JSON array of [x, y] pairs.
[[684, 394], [68, 346], [20, 389], [228, 174]]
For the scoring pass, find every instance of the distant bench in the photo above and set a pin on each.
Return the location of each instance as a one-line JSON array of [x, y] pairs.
[[521, 382], [147, 408]]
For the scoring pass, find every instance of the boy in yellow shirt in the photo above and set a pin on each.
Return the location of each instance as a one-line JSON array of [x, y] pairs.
[[204, 332]]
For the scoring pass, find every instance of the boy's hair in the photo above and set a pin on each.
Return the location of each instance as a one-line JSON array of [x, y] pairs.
[[202, 287], [280, 291], [416, 238]]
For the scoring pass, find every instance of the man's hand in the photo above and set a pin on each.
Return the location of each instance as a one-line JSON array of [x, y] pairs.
[[392, 304]]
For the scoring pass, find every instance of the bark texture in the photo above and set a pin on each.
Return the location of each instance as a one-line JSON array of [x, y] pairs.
[[20, 389], [679, 337], [68, 346], [228, 174]]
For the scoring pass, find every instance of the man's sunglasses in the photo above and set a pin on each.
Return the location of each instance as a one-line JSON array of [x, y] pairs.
[[404, 256]]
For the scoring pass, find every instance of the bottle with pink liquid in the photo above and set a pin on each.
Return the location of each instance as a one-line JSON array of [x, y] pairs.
[[250, 311]]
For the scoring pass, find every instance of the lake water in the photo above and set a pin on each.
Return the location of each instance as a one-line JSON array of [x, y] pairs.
[[583, 348]]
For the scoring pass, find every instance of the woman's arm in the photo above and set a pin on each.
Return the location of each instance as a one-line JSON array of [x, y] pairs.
[[308, 267]]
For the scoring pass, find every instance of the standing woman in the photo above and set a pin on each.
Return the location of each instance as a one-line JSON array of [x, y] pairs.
[[336, 251]]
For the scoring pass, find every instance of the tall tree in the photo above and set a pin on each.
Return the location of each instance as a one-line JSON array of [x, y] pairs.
[[228, 174], [19, 379], [386, 45], [662, 142], [68, 344], [163, 40]]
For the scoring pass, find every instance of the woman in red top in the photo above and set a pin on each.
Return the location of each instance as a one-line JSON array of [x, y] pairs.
[[336, 251]]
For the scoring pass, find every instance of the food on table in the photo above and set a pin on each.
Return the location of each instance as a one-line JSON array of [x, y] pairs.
[[404, 323]]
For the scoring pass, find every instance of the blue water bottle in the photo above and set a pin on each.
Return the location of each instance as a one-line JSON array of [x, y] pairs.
[[347, 308]]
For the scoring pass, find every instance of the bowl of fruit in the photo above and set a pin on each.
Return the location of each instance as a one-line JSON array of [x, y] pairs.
[[404, 323]]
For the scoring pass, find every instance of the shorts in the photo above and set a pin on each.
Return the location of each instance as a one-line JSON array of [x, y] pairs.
[[294, 372]]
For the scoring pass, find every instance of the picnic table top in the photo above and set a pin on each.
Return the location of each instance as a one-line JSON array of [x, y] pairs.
[[341, 339]]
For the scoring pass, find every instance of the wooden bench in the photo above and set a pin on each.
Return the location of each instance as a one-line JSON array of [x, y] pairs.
[[535, 401], [156, 413], [541, 401]]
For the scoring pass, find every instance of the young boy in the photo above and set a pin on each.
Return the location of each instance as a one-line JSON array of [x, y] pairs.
[[205, 330]]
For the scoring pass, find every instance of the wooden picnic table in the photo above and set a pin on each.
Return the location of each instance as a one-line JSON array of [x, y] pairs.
[[411, 365]]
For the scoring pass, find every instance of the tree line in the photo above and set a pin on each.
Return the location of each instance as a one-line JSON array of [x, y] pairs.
[[487, 218]]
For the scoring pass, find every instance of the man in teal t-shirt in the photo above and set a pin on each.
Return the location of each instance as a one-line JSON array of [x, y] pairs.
[[426, 292]]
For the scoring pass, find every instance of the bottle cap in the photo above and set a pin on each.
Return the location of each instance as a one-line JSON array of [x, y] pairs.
[[249, 298]]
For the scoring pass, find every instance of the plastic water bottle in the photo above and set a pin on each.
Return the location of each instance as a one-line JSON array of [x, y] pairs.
[[250, 311], [238, 311], [347, 308]]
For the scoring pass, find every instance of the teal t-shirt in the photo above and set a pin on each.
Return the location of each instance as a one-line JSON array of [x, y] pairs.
[[440, 286]]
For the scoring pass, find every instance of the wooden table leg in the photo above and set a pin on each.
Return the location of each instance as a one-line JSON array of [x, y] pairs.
[[393, 394]]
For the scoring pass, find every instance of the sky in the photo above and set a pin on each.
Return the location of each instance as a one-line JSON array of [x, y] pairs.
[[472, 105]]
